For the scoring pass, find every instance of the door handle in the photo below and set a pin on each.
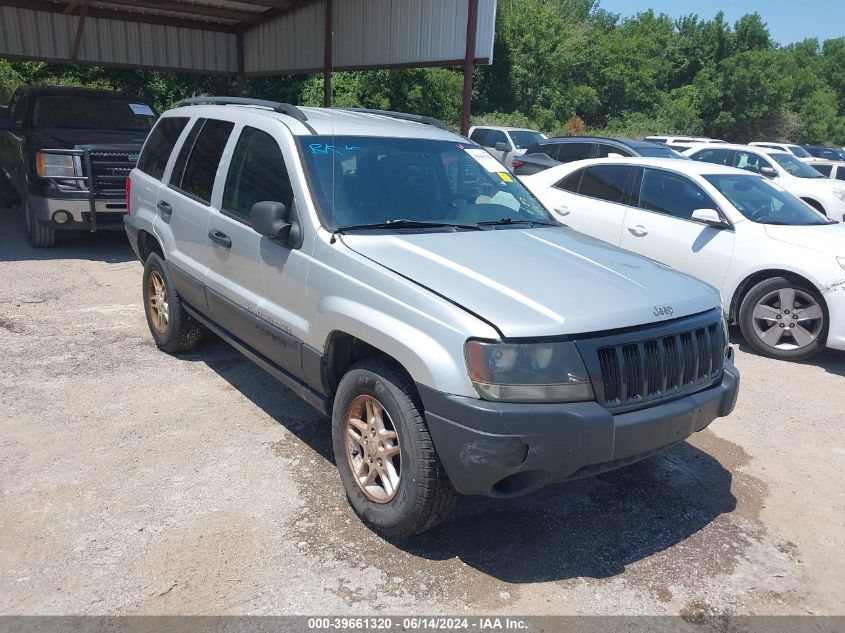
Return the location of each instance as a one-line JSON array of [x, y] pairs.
[[220, 238], [638, 231], [165, 208], [562, 210]]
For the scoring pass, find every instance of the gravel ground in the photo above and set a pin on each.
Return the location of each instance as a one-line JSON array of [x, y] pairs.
[[132, 482]]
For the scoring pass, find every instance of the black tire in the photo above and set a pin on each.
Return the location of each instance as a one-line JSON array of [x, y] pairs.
[[758, 293], [424, 496], [180, 332], [39, 235]]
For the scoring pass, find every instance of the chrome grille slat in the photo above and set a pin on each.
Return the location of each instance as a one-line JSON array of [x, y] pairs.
[[109, 170]]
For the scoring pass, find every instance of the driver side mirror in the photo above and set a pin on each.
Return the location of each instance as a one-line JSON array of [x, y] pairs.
[[501, 146], [710, 217], [768, 172], [276, 221]]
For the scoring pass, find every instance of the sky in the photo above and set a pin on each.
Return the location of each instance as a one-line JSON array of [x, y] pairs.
[[789, 20]]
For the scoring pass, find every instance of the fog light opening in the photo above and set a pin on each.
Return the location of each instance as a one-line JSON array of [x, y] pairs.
[[61, 217]]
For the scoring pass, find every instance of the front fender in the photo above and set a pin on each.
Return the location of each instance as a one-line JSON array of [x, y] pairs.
[[434, 362]]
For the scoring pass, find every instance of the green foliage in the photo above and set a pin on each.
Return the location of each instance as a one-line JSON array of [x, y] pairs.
[[558, 59]]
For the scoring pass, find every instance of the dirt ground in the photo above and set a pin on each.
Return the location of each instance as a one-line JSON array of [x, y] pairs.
[[133, 482]]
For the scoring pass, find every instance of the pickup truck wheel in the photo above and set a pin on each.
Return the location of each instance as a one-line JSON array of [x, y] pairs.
[[784, 319], [173, 329], [39, 235], [393, 478]]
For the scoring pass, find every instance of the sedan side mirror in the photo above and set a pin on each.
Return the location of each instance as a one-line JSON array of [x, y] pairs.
[[710, 217], [275, 220], [7, 122], [501, 146], [768, 172]]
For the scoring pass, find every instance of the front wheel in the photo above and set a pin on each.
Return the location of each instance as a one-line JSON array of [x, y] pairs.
[[39, 235], [393, 478], [784, 319]]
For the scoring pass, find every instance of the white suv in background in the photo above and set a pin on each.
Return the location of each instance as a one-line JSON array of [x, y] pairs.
[[780, 265], [790, 148], [797, 177], [505, 143]]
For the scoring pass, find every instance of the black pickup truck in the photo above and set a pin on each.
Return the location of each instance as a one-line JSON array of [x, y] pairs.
[[65, 154]]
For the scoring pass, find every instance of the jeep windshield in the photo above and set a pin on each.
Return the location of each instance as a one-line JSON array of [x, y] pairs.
[[414, 184], [89, 112]]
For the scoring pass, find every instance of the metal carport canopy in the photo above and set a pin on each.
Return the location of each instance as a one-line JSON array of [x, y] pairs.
[[250, 37]]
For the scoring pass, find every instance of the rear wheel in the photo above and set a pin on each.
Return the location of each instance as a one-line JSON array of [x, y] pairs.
[[39, 235], [784, 319], [393, 478], [173, 329]]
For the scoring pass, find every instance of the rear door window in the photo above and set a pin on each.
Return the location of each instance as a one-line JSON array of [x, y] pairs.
[[257, 173], [715, 156], [824, 169], [571, 182], [604, 151], [479, 135], [569, 152], [496, 136], [605, 182], [750, 161], [840, 172], [160, 144], [201, 168]]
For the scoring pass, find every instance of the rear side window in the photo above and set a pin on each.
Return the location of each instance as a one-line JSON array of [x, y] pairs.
[[257, 174], [606, 150], [571, 182], [824, 169], [840, 173], [716, 156], [605, 182], [672, 194], [160, 144], [569, 152], [479, 135], [201, 168]]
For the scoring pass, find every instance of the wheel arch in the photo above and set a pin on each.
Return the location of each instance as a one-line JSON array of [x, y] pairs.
[[148, 243], [756, 277]]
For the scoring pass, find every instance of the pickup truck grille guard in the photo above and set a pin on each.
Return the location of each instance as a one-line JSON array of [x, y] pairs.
[[639, 368], [105, 169]]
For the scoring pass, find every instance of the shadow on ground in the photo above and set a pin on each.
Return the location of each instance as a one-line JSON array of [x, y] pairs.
[[588, 528], [105, 246], [831, 360]]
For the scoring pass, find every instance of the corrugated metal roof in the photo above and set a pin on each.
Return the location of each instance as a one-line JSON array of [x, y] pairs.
[[279, 36]]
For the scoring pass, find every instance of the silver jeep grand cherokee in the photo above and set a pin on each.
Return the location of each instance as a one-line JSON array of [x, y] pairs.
[[399, 279]]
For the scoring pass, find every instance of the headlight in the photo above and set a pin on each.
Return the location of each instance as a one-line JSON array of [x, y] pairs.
[[839, 193], [55, 165], [528, 372], [841, 261]]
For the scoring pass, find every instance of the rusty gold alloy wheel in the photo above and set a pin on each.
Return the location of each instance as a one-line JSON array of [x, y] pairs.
[[157, 302], [372, 448]]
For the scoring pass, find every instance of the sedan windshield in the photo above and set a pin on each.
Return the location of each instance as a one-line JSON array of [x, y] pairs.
[[91, 112], [398, 184], [760, 201], [660, 152], [796, 167]]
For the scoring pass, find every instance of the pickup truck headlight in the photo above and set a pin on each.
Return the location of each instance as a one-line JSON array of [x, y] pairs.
[[55, 165], [839, 193], [528, 372]]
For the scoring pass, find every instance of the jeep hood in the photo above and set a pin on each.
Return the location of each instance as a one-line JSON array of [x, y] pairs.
[[819, 237], [539, 282]]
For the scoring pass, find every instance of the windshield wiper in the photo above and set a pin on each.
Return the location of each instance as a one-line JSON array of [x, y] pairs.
[[408, 224], [506, 221]]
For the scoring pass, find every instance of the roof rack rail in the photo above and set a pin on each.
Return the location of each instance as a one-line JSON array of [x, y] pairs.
[[416, 118], [276, 106]]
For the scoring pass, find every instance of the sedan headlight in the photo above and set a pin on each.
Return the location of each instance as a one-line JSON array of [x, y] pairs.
[[55, 165], [839, 193], [528, 372]]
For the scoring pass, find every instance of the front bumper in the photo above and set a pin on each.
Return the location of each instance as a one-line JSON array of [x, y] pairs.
[[504, 450], [109, 213]]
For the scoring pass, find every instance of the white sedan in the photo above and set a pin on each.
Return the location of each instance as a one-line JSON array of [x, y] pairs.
[[779, 264]]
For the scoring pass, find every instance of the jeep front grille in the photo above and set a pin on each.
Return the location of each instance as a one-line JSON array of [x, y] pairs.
[[642, 368]]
